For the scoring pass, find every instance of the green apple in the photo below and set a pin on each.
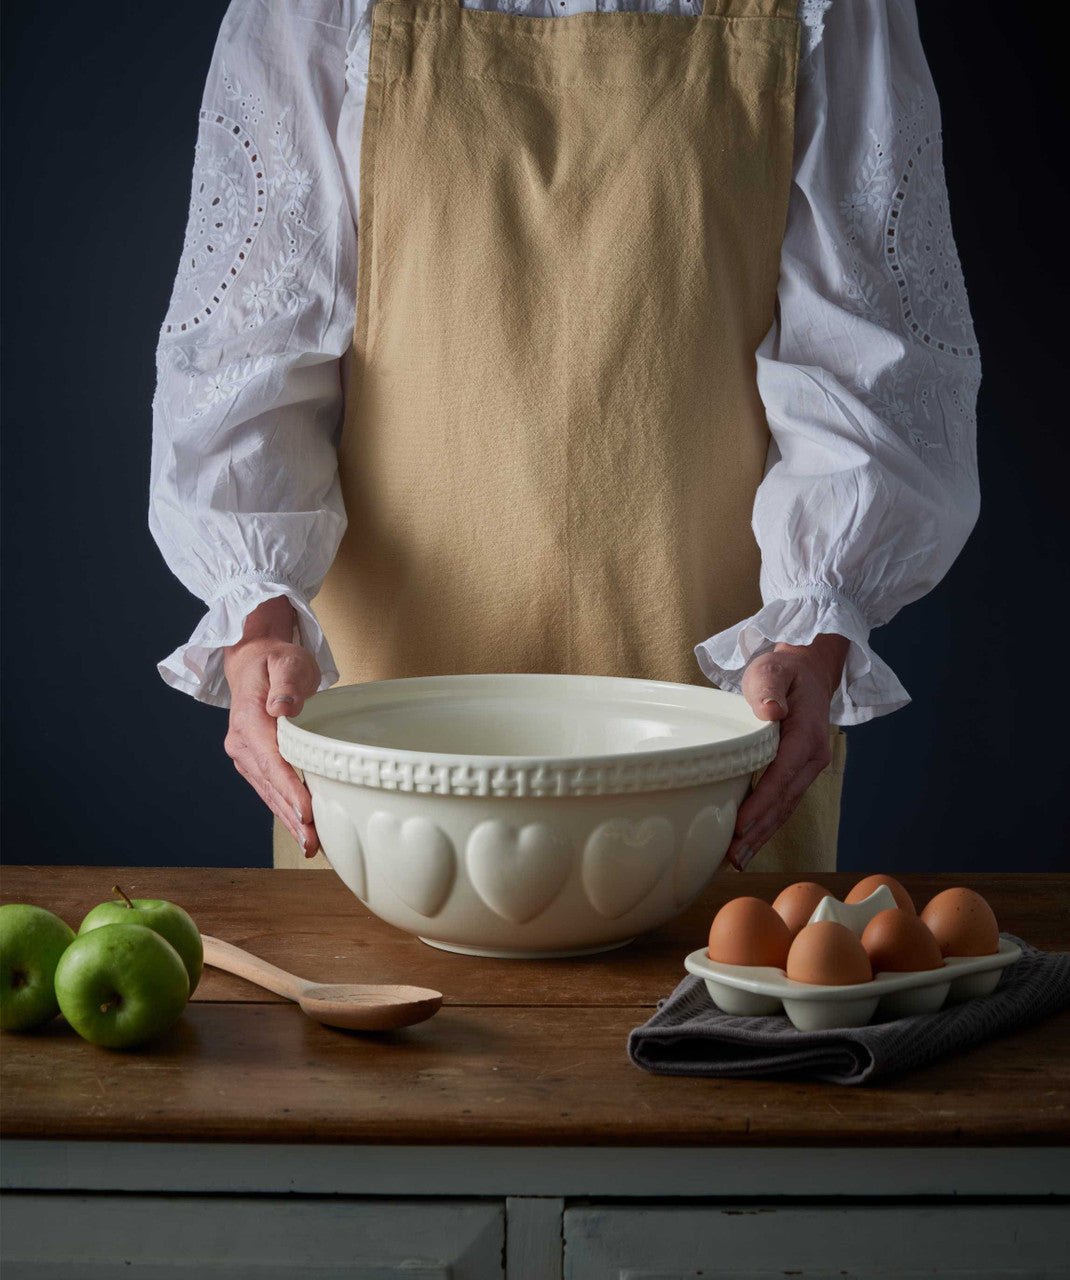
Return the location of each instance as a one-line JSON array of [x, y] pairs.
[[121, 984], [31, 943], [167, 918]]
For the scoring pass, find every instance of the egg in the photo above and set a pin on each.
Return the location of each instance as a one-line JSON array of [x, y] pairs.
[[749, 931], [962, 923], [828, 954], [797, 903], [897, 941], [865, 887]]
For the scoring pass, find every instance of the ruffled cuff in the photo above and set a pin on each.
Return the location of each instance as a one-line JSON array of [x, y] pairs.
[[196, 667], [869, 688]]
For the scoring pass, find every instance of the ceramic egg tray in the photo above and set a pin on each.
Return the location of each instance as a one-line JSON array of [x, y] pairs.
[[753, 990]]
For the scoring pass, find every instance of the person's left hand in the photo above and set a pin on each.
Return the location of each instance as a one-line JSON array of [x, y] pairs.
[[793, 684]]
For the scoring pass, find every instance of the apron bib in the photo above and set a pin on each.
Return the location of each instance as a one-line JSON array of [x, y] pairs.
[[570, 233]]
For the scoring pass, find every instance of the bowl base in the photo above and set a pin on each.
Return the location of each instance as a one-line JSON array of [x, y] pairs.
[[491, 954]]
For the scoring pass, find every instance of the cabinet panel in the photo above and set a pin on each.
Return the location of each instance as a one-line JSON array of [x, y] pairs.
[[97, 1237], [1025, 1242]]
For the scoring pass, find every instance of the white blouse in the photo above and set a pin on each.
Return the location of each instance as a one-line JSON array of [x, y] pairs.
[[869, 374]]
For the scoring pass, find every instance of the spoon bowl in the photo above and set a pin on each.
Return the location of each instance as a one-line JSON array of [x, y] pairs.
[[363, 1007], [352, 1006]]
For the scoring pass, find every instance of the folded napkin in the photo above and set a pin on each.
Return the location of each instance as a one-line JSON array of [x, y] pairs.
[[690, 1036]]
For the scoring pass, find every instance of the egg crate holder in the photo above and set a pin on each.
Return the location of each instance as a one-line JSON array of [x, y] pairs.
[[757, 990]]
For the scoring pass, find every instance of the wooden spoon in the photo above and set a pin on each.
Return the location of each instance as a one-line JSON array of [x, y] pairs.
[[355, 1006]]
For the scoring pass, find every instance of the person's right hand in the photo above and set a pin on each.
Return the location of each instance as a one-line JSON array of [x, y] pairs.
[[270, 676]]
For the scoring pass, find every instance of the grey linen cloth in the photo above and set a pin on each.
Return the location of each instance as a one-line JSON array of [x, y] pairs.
[[690, 1036]]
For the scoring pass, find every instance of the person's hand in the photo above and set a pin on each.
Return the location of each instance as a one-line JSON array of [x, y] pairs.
[[793, 684], [270, 676]]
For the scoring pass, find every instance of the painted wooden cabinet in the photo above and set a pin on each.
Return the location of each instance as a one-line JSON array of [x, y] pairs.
[[642, 1242], [104, 1237]]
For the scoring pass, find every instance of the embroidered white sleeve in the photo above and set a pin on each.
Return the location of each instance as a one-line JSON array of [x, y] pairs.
[[811, 15], [244, 499], [870, 375]]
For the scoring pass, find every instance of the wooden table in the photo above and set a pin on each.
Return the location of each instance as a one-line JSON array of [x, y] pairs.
[[516, 1108]]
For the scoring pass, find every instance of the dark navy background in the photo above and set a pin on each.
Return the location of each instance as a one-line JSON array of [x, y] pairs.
[[103, 763]]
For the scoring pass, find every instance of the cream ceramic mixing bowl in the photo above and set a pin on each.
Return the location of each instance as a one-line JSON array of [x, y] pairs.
[[526, 815]]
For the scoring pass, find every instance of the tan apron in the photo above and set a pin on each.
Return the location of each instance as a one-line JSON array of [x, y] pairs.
[[570, 234]]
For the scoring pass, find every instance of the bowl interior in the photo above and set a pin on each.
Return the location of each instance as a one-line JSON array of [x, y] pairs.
[[520, 715]]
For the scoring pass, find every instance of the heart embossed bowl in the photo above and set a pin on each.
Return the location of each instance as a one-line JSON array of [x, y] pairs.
[[526, 815]]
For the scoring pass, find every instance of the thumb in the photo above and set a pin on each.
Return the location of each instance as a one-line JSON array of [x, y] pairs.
[[292, 677], [765, 686]]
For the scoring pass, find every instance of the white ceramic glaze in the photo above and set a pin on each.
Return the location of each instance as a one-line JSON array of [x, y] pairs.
[[751, 990], [522, 814], [855, 915]]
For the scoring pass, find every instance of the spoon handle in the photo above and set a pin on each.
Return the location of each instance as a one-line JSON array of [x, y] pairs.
[[234, 960]]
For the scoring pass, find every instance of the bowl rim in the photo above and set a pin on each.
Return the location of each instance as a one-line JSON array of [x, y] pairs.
[[457, 773]]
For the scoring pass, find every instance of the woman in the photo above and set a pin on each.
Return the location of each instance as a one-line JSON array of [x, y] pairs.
[[656, 360]]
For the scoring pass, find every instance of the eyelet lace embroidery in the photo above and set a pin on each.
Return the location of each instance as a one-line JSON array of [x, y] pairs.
[[812, 17], [921, 293], [226, 212], [237, 187], [811, 13]]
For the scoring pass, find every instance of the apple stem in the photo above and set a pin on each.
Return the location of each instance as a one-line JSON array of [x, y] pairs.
[[115, 889]]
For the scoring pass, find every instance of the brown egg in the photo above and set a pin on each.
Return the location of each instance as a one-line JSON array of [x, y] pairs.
[[797, 903], [865, 887], [828, 954], [962, 923], [896, 941], [749, 931]]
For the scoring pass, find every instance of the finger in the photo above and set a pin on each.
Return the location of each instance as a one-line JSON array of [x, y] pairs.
[[256, 733], [304, 834], [291, 811], [260, 732], [773, 797], [766, 685], [775, 817], [793, 751], [294, 799], [743, 851], [296, 804], [726, 862], [271, 799], [800, 758], [292, 677], [307, 828]]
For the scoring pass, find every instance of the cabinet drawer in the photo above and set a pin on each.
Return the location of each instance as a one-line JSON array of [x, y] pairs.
[[1027, 1242], [97, 1237]]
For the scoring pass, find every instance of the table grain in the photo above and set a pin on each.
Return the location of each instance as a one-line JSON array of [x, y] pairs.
[[521, 1053]]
